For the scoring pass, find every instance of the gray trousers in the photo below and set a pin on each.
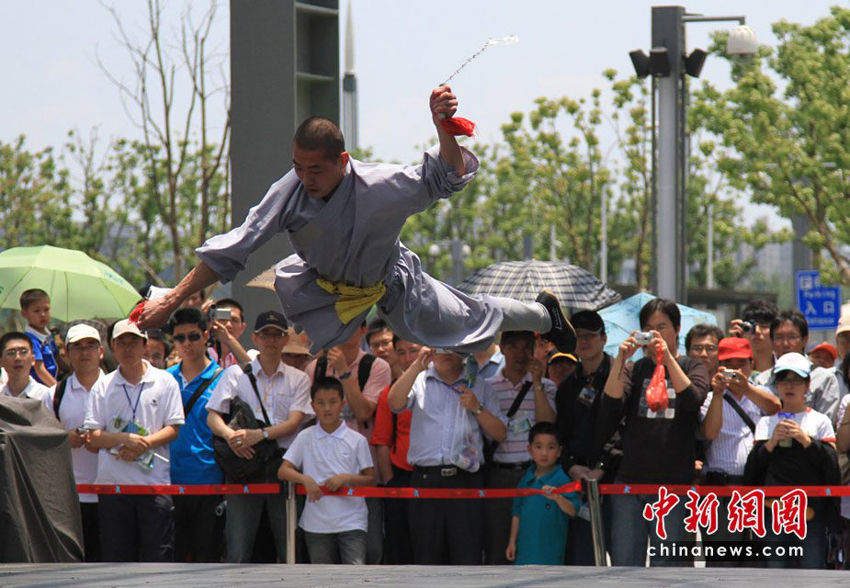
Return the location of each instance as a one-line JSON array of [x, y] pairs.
[[243, 520], [375, 535], [348, 547]]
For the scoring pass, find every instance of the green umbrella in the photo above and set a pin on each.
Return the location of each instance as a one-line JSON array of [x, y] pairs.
[[79, 286]]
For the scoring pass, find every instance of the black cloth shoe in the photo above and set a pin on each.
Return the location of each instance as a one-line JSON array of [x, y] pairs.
[[562, 333]]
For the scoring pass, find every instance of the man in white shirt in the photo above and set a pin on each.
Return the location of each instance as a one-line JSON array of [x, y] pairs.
[[69, 401], [285, 394], [16, 358], [135, 412], [449, 418]]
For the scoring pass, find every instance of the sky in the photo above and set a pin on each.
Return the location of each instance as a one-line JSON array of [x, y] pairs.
[[53, 81]]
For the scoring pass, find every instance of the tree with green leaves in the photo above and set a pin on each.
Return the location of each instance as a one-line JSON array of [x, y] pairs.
[[185, 186], [785, 131]]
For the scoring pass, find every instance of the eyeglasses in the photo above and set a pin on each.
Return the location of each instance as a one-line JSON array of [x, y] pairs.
[[12, 353], [587, 336], [192, 337], [706, 348], [786, 338]]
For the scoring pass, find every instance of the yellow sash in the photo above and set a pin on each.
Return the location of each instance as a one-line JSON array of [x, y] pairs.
[[353, 301]]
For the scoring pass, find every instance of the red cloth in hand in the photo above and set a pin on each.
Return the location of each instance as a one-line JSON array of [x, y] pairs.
[[137, 312], [458, 126], [656, 392]]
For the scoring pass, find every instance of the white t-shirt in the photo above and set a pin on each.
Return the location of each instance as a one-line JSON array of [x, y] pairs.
[[285, 390], [321, 455], [72, 415], [816, 425], [153, 403], [34, 390]]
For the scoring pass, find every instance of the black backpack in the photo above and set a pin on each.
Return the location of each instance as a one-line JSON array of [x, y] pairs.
[[364, 370]]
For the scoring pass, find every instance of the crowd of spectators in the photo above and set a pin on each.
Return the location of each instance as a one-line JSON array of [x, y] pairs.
[[754, 405]]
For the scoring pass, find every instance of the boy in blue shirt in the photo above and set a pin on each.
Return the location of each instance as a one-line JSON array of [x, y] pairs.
[[539, 523], [35, 308]]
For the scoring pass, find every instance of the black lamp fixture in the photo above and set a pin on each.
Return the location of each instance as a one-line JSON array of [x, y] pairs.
[[640, 61], [659, 62], [694, 62]]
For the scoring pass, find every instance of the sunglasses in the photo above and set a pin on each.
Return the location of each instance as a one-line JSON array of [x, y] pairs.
[[192, 337]]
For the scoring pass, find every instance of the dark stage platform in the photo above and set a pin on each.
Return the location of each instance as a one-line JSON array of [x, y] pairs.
[[259, 576]]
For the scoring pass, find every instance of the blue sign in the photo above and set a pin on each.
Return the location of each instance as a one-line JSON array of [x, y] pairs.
[[821, 305]]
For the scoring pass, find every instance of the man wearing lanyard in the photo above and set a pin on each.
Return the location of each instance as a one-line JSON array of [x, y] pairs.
[[441, 401], [588, 452], [135, 412]]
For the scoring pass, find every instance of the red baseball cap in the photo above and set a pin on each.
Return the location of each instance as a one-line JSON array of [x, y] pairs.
[[828, 347], [734, 348]]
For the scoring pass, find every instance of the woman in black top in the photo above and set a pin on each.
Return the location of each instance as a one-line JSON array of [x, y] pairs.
[[658, 447]]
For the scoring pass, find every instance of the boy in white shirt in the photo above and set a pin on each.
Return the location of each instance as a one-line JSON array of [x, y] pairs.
[[16, 358], [333, 455], [135, 413]]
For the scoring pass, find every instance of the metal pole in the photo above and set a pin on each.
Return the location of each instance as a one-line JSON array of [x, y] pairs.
[[666, 254], [553, 243], [668, 32], [527, 246], [291, 521], [594, 505], [457, 261], [709, 279], [603, 249]]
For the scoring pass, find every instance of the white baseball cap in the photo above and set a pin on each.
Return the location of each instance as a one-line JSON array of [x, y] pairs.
[[81, 331], [793, 362], [125, 326]]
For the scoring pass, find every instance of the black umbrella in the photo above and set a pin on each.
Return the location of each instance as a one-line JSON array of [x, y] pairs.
[[574, 286]]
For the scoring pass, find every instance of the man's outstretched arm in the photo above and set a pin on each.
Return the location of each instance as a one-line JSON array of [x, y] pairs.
[[443, 101], [157, 312]]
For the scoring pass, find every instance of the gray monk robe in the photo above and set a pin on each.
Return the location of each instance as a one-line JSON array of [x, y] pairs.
[[353, 239]]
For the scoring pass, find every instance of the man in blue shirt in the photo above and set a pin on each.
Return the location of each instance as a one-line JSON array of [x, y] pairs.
[[198, 531]]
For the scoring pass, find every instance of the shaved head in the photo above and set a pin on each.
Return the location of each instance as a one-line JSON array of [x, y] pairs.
[[320, 134]]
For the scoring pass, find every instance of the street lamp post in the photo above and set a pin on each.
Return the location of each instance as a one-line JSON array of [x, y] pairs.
[[668, 63]]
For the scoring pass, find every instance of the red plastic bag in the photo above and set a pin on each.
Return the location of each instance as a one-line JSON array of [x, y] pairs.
[[656, 392]]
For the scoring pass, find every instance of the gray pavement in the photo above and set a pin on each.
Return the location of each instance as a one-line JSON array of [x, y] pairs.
[[259, 576]]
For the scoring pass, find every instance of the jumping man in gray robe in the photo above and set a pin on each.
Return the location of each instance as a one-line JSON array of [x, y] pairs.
[[343, 218]]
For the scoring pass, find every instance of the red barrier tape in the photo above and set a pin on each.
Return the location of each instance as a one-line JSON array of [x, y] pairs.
[[373, 492], [363, 492]]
